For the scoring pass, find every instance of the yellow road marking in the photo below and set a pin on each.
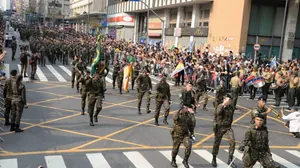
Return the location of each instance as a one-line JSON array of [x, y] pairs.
[[49, 100], [48, 87]]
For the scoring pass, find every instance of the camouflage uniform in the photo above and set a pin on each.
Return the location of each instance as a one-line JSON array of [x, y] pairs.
[[13, 48], [74, 62], [256, 148], [116, 73], [220, 93], [201, 88], [84, 91], [7, 93], [180, 134], [135, 73], [223, 121], [24, 61], [257, 111], [163, 97], [188, 99], [144, 85], [95, 98], [17, 104], [79, 68], [120, 77], [103, 71]]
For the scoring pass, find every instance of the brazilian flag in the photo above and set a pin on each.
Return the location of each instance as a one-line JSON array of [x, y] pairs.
[[96, 60]]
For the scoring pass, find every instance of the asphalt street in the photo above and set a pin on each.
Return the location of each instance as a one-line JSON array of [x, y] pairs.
[[57, 136]]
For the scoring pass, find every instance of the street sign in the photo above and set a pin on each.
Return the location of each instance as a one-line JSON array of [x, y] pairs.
[[256, 47]]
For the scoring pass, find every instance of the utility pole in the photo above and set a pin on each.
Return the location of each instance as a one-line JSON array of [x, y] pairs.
[[88, 25]]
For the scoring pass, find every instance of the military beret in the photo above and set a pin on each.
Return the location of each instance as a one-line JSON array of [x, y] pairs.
[[13, 72], [261, 98], [260, 116]]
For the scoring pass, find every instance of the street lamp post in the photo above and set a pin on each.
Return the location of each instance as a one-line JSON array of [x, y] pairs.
[[88, 25]]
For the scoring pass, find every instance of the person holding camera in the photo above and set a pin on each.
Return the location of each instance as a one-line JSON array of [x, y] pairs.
[[293, 121]]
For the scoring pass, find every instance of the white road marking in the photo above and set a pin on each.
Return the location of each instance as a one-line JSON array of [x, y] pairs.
[[66, 70], [283, 161], [294, 152], [41, 75], [240, 157], [97, 160], [179, 160], [24, 79], [56, 161], [208, 157], [56, 74], [138, 160], [9, 163], [6, 70]]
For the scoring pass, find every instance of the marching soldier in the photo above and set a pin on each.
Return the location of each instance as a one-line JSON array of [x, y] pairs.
[[74, 62], [135, 73], [33, 62], [260, 109], [79, 69], [293, 83], [223, 120], [18, 103], [24, 60], [220, 93], [13, 48], [144, 86], [182, 131], [267, 75], [117, 68], [163, 97], [103, 71], [84, 90], [256, 145], [201, 87], [121, 75], [236, 84], [251, 87], [7, 95], [278, 90], [95, 86]]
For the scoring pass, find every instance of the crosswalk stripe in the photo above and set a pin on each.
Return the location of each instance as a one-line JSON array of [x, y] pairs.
[[294, 152], [66, 70], [208, 157], [240, 157], [284, 106], [97, 160], [9, 163], [55, 73], [108, 79], [179, 160], [41, 75], [138, 159], [55, 161], [24, 79], [283, 161], [6, 70]]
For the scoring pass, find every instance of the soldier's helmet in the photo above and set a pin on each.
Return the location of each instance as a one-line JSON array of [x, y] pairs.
[[260, 116]]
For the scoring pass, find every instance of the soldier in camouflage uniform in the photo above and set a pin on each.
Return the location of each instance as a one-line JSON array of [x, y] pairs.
[[84, 90], [181, 132], [116, 71], [18, 103], [260, 109], [256, 145], [24, 60], [163, 97], [220, 93], [144, 86], [7, 95], [201, 90], [74, 62], [121, 75], [95, 86], [136, 68], [13, 48], [79, 68], [103, 71], [223, 121]]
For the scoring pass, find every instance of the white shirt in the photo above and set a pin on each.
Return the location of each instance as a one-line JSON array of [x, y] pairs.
[[294, 119]]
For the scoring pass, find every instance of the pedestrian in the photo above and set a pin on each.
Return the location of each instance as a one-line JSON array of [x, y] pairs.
[[223, 122], [293, 121]]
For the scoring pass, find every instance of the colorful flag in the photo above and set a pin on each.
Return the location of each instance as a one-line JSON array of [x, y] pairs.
[[127, 75], [96, 60], [273, 62], [179, 68]]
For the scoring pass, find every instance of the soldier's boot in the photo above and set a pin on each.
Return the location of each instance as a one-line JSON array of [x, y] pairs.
[[230, 159], [12, 127], [193, 138], [77, 89], [185, 162], [7, 123], [120, 90], [82, 112], [132, 87], [91, 120], [173, 162], [214, 161], [25, 75], [204, 107], [156, 121], [147, 110], [72, 86], [165, 121], [139, 111], [18, 128]]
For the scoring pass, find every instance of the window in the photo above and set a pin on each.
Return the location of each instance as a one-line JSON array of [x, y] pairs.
[[206, 13], [205, 24], [204, 17], [173, 25]]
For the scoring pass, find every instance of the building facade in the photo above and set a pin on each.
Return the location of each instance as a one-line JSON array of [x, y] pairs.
[[231, 25], [87, 15]]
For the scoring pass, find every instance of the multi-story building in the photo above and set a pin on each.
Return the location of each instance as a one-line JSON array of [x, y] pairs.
[[223, 25], [54, 11], [87, 15]]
